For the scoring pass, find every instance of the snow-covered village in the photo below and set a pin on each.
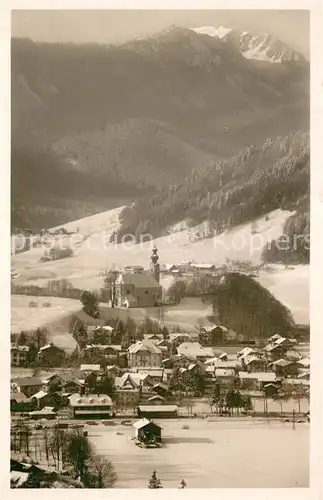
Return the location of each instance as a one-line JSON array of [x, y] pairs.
[[160, 331]]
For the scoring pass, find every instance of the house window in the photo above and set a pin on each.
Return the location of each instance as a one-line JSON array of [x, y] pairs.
[[146, 291], [128, 291]]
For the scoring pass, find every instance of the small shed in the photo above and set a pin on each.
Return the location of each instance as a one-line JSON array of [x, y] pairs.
[[147, 431]]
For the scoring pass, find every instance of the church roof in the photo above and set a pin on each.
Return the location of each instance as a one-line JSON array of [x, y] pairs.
[[144, 280]]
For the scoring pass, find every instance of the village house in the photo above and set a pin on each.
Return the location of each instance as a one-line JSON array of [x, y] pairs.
[[143, 354], [278, 347], [91, 406], [293, 355], [133, 269], [153, 338], [113, 370], [73, 385], [177, 339], [256, 381], [205, 268], [55, 380], [43, 399], [20, 403], [161, 389], [139, 289], [253, 364], [170, 268], [245, 352], [226, 376], [234, 364], [19, 355], [86, 369], [105, 332], [156, 399], [285, 368], [296, 385], [271, 389], [104, 350], [154, 374], [213, 335], [51, 355], [177, 361], [131, 387], [195, 350], [165, 347], [47, 413], [27, 385]]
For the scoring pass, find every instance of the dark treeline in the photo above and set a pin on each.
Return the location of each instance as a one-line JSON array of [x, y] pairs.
[[251, 310]]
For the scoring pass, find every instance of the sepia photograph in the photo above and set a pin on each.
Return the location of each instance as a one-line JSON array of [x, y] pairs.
[[160, 249]]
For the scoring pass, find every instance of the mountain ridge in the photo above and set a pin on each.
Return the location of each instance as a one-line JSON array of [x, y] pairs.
[[90, 98]]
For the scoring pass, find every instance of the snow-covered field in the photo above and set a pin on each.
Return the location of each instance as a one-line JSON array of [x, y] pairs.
[[24, 317], [220, 454], [93, 252]]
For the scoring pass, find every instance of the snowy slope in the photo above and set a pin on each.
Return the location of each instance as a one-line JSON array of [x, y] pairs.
[[95, 253]]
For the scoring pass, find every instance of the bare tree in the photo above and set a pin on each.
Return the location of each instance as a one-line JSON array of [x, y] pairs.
[[56, 447], [78, 451], [110, 282]]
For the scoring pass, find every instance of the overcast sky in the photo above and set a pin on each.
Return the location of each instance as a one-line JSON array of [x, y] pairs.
[[117, 26]]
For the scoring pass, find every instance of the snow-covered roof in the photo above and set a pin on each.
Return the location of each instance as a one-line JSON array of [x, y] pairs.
[[252, 359], [90, 368], [261, 376], [194, 349], [91, 399], [223, 372], [40, 394], [246, 351], [105, 327], [143, 347]]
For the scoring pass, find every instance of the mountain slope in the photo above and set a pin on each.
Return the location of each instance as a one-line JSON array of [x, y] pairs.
[[229, 193], [263, 47], [135, 117], [95, 253]]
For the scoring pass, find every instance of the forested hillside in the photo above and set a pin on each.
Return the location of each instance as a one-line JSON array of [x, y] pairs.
[[101, 126], [231, 192], [249, 309], [293, 247]]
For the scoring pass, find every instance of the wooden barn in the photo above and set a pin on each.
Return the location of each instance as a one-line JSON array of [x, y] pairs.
[[147, 431]]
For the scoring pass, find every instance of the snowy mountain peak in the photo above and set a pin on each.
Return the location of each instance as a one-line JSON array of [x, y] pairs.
[[263, 47], [219, 32]]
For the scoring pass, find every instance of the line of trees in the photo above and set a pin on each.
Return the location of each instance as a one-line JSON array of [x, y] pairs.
[[62, 449]]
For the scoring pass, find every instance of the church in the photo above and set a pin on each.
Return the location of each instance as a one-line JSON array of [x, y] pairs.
[[140, 288]]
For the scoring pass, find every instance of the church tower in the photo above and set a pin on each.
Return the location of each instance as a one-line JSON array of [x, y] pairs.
[[154, 266]]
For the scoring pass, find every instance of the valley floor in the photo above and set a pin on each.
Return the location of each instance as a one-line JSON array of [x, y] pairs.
[[216, 454], [93, 253]]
